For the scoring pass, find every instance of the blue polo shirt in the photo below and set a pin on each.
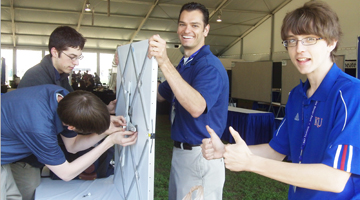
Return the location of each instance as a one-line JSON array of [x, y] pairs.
[[206, 74], [334, 136], [30, 125]]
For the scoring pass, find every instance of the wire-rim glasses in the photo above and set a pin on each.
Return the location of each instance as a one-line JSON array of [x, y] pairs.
[[74, 58], [305, 41]]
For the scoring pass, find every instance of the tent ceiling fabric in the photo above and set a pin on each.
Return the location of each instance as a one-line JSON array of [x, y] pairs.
[[27, 23]]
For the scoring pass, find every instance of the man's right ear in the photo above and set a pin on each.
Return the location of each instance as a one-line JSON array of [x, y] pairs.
[[54, 52], [71, 128]]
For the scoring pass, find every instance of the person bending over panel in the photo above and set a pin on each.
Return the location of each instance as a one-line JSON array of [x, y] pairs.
[[31, 119]]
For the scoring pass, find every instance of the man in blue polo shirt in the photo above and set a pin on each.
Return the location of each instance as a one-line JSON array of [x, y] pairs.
[[198, 90], [31, 119], [320, 131]]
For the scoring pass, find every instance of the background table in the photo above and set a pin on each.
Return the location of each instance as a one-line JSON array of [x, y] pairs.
[[255, 127]]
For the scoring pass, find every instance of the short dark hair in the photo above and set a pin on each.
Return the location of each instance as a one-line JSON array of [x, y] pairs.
[[85, 111], [64, 37], [315, 17], [196, 6]]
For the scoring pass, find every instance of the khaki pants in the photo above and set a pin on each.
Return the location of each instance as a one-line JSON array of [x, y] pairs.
[[9, 190], [189, 168], [27, 179]]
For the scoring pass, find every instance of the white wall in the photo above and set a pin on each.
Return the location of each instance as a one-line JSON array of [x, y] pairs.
[[257, 44]]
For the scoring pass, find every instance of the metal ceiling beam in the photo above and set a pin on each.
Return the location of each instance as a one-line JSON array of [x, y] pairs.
[[144, 3], [40, 9], [256, 25], [220, 6], [12, 22], [47, 36], [108, 8], [245, 34], [180, 5], [85, 13], [246, 11], [121, 15], [281, 6], [39, 47], [81, 16], [144, 20], [62, 24], [117, 15], [104, 27]]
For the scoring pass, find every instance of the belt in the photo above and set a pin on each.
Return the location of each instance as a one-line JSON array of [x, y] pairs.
[[183, 145]]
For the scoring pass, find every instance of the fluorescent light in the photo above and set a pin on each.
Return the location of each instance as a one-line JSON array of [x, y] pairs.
[[87, 7], [219, 16]]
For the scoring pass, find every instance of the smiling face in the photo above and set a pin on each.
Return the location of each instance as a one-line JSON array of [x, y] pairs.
[[62, 59], [312, 59], [192, 31]]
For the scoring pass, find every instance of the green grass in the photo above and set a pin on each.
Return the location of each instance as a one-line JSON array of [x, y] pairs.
[[238, 185]]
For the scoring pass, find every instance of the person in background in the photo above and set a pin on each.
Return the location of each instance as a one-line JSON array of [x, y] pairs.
[[198, 90], [82, 85], [96, 80], [78, 76], [16, 81], [31, 119], [85, 76], [90, 84], [65, 47], [74, 84], [113, 74], [320, 131]]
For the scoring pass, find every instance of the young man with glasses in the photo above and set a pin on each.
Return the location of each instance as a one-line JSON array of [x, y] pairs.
[[320, 131], [65, 47], [198, 90]]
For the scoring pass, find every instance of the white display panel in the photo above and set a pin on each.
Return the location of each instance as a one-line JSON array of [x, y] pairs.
[[134, 165], [136, 92]]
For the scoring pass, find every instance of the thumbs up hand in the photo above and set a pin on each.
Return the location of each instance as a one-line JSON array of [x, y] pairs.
[[212, 148], [237, 156]]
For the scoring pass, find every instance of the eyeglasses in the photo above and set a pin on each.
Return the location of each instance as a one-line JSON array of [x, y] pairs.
[[74, 58], [305, 41]]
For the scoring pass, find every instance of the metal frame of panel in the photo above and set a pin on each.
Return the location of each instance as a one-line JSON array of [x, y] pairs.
[[136, 101]]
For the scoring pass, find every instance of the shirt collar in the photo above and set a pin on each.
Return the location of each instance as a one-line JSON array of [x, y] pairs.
[[322, 92], [184, 62], [57, 74]]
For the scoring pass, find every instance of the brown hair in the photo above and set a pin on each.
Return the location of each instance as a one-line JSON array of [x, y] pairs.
[[64, 37], [85, 111], [314, 18], [196, 6]]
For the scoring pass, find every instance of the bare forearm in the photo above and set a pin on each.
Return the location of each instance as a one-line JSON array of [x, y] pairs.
[[312, 176], [67, 171], [240, 157], [187, 96], [265, 151], [83, 142]]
